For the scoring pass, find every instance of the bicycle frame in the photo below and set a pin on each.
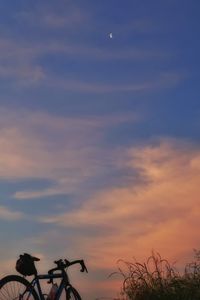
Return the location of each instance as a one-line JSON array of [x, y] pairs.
[[63, 284]]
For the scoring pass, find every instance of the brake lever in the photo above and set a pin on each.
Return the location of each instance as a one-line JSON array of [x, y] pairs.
[[83, 267], [67, 263]]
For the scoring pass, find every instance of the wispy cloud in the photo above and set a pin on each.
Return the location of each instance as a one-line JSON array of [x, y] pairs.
[[48, 16], [10, 215], [63, 150], [146, 214], [22, 61], [20, 65], [28, 50], [161, 81]]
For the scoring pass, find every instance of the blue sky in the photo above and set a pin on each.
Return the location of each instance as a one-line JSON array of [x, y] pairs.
[[99, 137]]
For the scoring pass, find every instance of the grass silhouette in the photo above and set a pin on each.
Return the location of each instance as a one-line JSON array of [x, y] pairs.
[[157, 279]]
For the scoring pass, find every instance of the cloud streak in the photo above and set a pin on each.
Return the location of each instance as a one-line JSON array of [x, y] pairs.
[[63, 150], [22, 61], [10, 215], [161, 81], [47, 16], [29, 50]]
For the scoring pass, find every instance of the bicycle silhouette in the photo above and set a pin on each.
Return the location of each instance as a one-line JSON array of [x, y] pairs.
[[15, 287]]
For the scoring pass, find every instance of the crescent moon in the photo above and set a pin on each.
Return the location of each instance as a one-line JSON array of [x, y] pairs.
[[111, 35]]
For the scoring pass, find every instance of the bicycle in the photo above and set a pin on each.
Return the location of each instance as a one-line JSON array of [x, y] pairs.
[[15, 287]]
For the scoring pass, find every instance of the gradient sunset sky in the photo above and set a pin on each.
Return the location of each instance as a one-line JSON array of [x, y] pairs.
[[99, 136]]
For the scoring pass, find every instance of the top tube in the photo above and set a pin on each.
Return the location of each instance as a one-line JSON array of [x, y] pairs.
[[49, 276]]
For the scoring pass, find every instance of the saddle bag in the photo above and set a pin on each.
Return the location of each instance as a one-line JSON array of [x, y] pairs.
[[25, 265]]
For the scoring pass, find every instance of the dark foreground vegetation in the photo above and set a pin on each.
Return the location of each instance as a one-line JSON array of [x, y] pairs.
[[157, 279]]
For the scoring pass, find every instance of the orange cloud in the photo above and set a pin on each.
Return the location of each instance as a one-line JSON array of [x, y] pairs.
[[160, 210]]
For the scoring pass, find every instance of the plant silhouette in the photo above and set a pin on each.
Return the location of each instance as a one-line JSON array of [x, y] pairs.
[[157, 279]]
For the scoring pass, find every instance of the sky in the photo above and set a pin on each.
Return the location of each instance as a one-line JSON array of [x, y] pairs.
[[99, 136]]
